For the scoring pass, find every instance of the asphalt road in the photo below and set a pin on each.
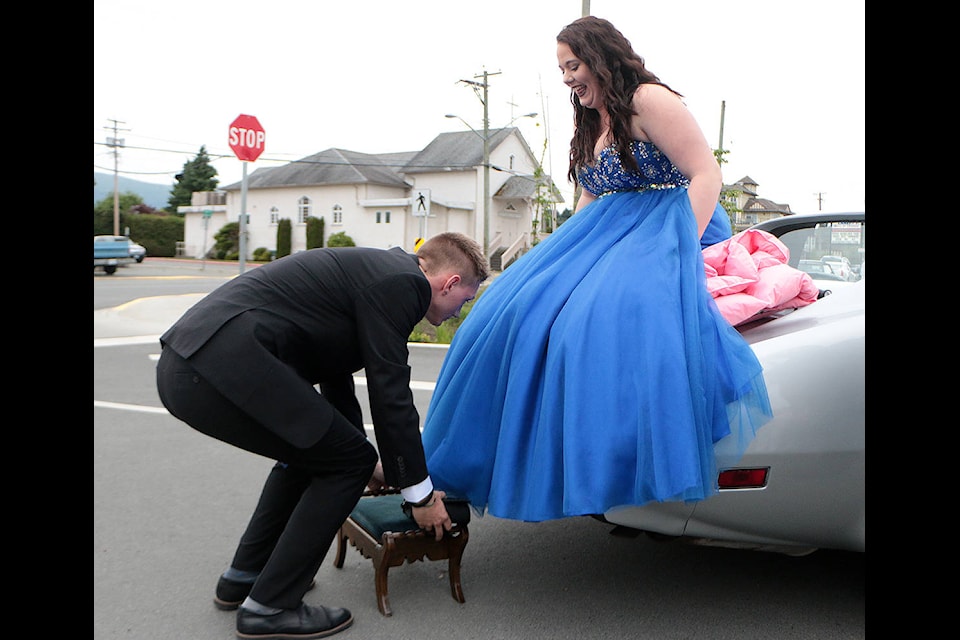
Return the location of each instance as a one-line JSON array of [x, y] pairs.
[[170, 504]]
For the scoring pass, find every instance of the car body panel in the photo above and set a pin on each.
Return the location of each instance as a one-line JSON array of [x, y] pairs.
[[137, 251], [133, 250], [814, 447]]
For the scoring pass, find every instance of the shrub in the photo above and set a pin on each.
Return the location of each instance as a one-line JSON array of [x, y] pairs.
[[284, 237], [419, 334], [262, 254], [340, 239], [426, 332]]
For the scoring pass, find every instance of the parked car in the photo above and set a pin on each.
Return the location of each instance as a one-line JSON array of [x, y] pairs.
[[110, 253], [137, 251], [840, 266], [819, 270], [800, 486]]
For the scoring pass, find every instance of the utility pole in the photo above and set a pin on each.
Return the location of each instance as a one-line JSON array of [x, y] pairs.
[[584, 12], [115, 142], [819, 195], [486, 153], [486, 170], [723, 110], [476, 86]]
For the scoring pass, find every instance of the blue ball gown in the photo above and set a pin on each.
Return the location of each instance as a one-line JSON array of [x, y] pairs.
[[596, 370]]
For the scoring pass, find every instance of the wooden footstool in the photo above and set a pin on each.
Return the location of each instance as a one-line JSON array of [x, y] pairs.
[[380, 530]]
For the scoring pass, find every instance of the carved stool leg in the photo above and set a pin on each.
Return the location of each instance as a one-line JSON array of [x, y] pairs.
[[380, 568], [457, 545], [341, 548], [381, 533]]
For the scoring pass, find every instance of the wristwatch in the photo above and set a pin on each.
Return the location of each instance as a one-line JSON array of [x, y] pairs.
[[426, 502]]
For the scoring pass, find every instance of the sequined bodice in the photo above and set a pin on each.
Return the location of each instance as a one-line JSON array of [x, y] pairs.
[[608, 174]]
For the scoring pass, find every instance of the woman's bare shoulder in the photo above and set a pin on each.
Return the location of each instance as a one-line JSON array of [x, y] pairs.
[[651, 102], [652, 92]]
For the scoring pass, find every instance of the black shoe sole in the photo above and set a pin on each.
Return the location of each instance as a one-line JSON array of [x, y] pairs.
[[297, 636], [223, 605]]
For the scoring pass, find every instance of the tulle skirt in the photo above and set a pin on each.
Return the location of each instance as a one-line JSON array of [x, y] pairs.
[[595, 371]]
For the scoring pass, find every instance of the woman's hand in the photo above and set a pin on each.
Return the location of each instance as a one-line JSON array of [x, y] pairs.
[[377, 482], [433, 518]]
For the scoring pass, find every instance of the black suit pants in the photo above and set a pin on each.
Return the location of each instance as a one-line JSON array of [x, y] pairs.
[[306, 497]]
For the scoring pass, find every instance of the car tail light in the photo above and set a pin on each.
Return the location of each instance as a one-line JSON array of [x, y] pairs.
[[743, 478]]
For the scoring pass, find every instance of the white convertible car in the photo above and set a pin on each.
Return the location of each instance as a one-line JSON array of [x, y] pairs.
[[801, 484]]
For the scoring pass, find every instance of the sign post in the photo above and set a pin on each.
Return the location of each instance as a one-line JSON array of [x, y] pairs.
[[206, 222], [247, 140], [421, 209]]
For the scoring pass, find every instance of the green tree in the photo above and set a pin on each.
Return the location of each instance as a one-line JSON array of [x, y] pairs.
[[198, 175], [314, 232], [284, 237], [226, 242], [543, 201], [157, 232], [103, 212], [340, 239], [728, 206]]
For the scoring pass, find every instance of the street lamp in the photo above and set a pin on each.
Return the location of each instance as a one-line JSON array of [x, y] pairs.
[[485, 136]]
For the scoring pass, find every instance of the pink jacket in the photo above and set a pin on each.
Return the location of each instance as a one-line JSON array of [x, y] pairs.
[[748, 274]]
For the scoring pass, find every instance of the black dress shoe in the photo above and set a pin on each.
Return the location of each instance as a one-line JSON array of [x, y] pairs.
[[231, 594], [303, 623]]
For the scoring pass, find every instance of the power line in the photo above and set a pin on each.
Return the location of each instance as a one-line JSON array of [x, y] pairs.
[[346, 163]]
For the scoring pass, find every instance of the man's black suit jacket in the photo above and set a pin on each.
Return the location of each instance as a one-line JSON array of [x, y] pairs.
[[265, 338]]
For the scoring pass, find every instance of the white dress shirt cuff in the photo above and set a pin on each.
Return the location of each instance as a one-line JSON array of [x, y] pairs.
[[417, 492]]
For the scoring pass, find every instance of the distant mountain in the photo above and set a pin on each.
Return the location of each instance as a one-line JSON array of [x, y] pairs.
[[153, 194]]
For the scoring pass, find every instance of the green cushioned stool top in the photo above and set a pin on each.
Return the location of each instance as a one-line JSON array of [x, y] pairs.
[[379, 514]]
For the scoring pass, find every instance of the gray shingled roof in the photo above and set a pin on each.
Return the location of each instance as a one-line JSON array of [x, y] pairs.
[[453, 151], [456, 150], [333, 166], [523, 187], [755, 205]]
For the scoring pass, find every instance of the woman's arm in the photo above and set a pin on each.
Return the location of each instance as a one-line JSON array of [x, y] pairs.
[[585, 198], [665, 121]]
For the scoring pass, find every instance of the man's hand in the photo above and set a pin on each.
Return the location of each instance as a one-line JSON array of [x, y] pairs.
[[377, 482], [433, 518]]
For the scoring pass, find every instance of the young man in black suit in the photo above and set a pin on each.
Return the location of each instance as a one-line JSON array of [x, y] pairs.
[[243, 366]]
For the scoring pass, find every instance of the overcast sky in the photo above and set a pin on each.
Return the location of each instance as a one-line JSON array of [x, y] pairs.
[[378, 76]]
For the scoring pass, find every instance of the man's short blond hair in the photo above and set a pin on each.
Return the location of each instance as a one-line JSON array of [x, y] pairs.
[[457, 252]]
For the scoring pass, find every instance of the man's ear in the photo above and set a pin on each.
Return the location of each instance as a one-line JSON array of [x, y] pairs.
[[452, 280]]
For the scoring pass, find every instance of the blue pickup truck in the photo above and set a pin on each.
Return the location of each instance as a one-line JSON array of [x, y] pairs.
[[109, 252]]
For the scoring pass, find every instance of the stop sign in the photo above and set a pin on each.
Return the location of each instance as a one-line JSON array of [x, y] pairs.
[[247, 137]]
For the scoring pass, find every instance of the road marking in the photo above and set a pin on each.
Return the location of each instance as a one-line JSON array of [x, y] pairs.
[[128, 407], [415, 385], [360, 381], [139, 408], [120, 342]]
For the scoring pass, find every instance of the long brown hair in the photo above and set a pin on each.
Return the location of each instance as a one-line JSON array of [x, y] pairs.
[[620, 70]]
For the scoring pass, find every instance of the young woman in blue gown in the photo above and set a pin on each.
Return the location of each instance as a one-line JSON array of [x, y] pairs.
[[596, 370]]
